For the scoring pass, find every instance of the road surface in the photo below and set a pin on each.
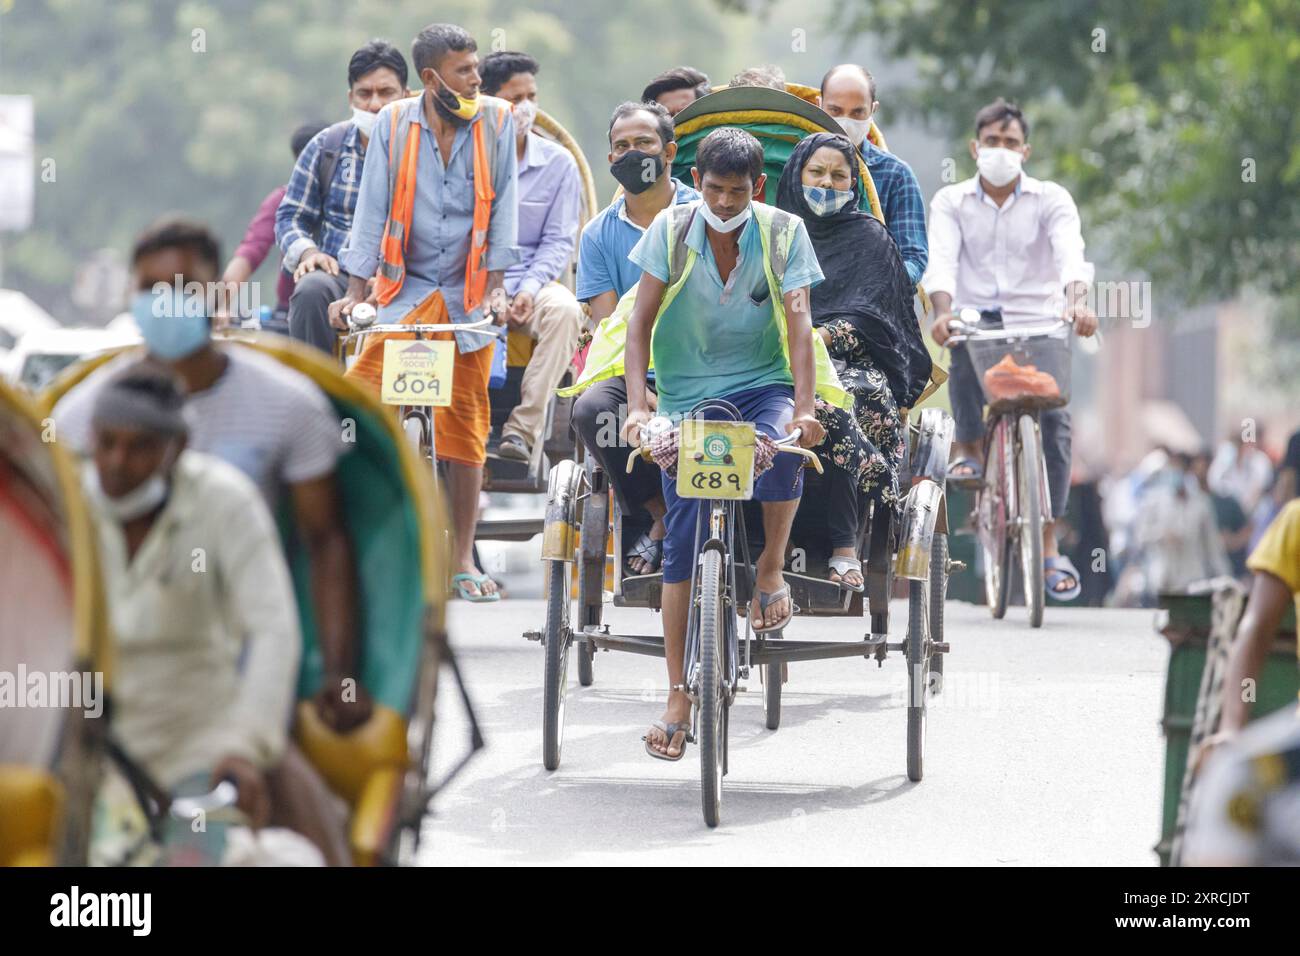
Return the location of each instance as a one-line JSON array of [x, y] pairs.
[[1044, 749]]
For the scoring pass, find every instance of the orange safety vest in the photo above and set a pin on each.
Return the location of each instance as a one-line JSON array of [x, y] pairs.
[[403, 159]]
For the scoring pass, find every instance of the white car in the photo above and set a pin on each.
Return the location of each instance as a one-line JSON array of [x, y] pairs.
[[42, 354], [18, 316]]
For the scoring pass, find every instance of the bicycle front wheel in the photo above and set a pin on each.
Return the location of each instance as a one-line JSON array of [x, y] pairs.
[[710, 721], [1029, 468], [993, 517]]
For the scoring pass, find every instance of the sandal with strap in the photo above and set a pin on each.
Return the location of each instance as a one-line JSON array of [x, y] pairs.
[[766, 600], [842, 565], [974, 471], [648, 550], [458, 582], [682, 727], [1057, 570]]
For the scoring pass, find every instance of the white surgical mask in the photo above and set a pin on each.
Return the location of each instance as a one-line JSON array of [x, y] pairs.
[[726, 225], [525, 111], [364, 120], [141, 500], [855, 129], [998, 165]]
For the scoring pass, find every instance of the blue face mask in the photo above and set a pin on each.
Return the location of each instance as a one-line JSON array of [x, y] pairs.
[[826, 202], [169, 329]]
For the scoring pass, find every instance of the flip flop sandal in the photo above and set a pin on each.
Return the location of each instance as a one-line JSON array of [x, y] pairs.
[[974, 471], [765, 600], [682, 727], [648, 550], [458, 582], [842, 565], [1058, 569]]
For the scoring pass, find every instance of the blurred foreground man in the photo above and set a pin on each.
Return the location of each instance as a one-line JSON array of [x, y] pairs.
[[202, 612]]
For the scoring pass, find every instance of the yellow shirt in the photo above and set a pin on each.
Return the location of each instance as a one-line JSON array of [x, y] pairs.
[[1278, 552]]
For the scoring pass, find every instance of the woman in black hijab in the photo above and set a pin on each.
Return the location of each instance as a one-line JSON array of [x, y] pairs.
[[863, 311]]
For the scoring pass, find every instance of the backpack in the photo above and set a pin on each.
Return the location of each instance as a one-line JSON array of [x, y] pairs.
[[330, 148]]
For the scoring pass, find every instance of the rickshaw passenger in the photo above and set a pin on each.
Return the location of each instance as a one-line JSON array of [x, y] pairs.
[[1012, 247], [676, 89], [642, 146], [864, 314], [720, 337], [445, 264], [550, 209], [848, 93], [202, 611], [264, 418], [315, 215]]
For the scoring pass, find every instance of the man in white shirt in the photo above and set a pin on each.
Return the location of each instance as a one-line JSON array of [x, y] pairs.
[[269, 421], [204, 623], [1010, 246]]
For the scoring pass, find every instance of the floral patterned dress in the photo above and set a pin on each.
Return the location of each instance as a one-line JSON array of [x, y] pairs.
[[869, 442]]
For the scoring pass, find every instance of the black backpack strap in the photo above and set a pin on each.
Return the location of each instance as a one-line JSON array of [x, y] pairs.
[[329, 158]]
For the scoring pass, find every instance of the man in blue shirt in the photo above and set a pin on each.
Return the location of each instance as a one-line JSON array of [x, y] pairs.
[[721, 336], [641, 151], [550, 211], [848, 93], [310, 228], [437, 270]]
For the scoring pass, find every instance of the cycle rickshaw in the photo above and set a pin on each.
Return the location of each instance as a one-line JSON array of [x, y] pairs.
[[582, 533], [394, 521]]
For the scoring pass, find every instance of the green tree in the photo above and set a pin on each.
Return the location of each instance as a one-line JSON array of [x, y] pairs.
[[1173, 123]]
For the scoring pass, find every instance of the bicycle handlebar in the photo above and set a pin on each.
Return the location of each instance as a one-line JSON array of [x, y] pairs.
[[786, 444], [481, 327], [963, 329]]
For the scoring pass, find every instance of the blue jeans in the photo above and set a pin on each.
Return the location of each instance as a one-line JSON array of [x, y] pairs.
[[770, 407]]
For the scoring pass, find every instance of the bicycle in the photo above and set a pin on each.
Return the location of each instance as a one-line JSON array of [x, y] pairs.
[[1023, 371], [415, 395]]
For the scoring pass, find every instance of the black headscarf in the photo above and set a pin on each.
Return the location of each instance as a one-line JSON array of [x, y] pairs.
[[866, 281]]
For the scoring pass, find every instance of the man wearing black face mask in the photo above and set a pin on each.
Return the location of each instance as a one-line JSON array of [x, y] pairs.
[[641, 150]]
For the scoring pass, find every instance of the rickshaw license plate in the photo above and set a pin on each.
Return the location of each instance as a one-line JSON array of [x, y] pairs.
[[417, 373], [715, 460]]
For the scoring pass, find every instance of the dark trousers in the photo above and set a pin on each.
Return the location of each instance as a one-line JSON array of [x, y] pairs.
[[844, 506], [309, 319], [967, 398], [598, 416]]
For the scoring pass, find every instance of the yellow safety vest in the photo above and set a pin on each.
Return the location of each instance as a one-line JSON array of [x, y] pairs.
[[776, 232]]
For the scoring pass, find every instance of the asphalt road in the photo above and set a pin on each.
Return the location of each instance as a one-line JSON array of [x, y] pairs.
[[1044, 749]]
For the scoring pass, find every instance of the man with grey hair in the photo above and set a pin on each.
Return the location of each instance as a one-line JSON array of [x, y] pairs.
[[768, 75]]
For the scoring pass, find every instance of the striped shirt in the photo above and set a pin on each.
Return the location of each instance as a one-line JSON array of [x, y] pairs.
[[304, 218], [267, 420]]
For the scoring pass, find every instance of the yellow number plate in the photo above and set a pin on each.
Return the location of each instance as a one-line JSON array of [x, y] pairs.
[[417, 373], [715, 460]]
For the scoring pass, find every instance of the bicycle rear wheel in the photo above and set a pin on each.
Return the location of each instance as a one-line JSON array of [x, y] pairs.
[[710, 720], [1029, 469]]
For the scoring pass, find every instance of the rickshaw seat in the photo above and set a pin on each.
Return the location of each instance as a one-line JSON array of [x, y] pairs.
[[32, 801], [519, 348], [365, 767]]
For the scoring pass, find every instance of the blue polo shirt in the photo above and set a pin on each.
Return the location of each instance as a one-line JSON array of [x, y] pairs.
[[718, 339], [603, 264]]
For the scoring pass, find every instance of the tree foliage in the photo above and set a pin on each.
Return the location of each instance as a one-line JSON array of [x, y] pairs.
[[1174, 124]]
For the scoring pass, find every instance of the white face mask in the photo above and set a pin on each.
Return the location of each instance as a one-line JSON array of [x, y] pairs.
[[855, 129], [725, 225], [141, 500], [364, 120], [998, 165], [524, 112]]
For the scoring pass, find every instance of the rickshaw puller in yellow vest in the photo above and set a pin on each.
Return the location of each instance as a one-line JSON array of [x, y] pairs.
[[722, 325]]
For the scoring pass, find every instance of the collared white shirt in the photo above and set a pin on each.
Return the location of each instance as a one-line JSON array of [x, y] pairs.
[[205, 626], [1018, 258]]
